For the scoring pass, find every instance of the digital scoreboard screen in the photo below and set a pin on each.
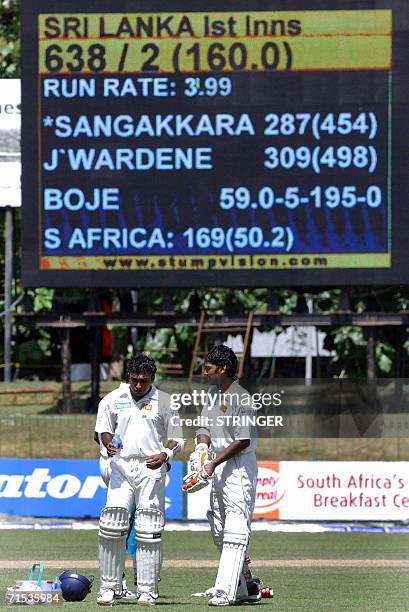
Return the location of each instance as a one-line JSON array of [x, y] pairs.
[[259, 144]]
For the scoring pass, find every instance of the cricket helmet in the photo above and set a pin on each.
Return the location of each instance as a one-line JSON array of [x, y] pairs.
[[75, 587]]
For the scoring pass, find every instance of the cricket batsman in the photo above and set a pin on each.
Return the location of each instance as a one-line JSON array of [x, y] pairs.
[[232, 474], [140, 415], [105, 471]]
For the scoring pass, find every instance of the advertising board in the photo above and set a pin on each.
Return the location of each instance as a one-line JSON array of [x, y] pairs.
[[67, 488], [325, 491]]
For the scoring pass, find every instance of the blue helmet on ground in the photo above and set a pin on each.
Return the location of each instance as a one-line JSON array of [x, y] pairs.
[[75, 587]]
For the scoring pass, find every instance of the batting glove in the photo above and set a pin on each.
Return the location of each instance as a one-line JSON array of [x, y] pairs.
[[196, 481], [198, 458]]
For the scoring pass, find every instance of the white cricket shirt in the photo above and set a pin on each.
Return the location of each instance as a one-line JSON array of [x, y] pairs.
[[225, 415], [144, 426]]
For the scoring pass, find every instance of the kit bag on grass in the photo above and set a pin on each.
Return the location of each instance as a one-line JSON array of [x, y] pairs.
[[34, 584]]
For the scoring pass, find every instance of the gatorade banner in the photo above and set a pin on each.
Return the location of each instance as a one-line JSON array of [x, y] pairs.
[[67, 488]]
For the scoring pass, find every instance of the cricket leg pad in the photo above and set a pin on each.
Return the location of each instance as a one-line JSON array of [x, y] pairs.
[[113, 527], [235, 540], [149, 524]]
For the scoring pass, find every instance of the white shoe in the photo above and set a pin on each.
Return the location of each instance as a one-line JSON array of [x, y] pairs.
[[127, 595], [210, 592], [220, 599], [147, 599], [106, 597]]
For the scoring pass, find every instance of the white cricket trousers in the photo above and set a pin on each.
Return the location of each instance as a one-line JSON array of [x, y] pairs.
[[131, 481], [105, 468], [233, 490]]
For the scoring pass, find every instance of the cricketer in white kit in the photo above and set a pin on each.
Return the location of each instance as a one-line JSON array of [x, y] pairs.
[[141, 415], [105, 472], [233, 475]]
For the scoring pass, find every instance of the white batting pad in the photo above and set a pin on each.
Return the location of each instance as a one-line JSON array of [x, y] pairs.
[[113, 528], [149, 524], [235, 541], [245, 575], [242, 590]]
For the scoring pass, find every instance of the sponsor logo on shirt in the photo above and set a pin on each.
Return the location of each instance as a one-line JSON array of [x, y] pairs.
[[122, 405]]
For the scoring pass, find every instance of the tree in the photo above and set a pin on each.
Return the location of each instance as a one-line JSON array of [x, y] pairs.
[[9, 38]]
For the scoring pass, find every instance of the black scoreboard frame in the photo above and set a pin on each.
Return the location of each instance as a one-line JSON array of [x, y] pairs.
[[33, 276]]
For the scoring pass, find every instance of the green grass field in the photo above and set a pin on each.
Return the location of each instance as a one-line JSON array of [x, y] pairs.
[[328, 572]]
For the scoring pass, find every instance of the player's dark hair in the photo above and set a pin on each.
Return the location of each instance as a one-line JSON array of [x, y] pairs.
[[139, 364], [221, 355]]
